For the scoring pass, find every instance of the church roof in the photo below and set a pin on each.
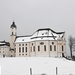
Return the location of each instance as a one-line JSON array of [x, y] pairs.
[[13, 25], [50, 30], [40, 34], [4, 43]]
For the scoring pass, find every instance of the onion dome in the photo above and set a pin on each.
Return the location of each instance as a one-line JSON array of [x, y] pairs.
[[13, 25]]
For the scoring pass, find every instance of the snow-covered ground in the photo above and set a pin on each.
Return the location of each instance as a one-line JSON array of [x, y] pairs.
[[39, 65]]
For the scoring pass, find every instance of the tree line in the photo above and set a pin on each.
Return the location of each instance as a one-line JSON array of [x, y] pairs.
[[71, 46]]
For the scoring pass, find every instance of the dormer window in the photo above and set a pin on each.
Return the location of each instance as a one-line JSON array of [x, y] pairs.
[[42, 33], [23, 40]]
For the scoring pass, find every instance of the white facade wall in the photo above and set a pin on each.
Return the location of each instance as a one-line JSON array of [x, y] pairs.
[[42, 53], [22, 54], [48, 53], [53, 53], [31, 51], [60, 44], [5, 50]]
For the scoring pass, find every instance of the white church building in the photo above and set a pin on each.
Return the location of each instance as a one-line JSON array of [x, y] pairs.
[[43, 42]]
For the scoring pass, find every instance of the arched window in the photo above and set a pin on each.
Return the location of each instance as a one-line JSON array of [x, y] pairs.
[[34, 48], [54, 48], [19, 49], [50, 47], [44, 47], [26, 49], [22, 49], [38, 48], [62, 48]]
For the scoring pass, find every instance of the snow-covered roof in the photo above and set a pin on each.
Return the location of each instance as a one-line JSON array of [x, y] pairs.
[[2, 43], [40, 34]]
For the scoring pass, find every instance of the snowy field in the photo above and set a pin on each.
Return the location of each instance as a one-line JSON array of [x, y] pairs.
[[39, 65]]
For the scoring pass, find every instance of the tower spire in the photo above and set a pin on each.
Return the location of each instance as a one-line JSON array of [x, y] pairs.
[[13, 25], [13, 19]]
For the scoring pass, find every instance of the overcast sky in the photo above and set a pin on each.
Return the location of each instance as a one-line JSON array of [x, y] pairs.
[[30, 15]]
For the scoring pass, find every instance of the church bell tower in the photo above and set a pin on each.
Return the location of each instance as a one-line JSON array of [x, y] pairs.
[[13, 34]]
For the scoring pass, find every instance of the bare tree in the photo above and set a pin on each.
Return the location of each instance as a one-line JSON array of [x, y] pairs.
[[70, 44]]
